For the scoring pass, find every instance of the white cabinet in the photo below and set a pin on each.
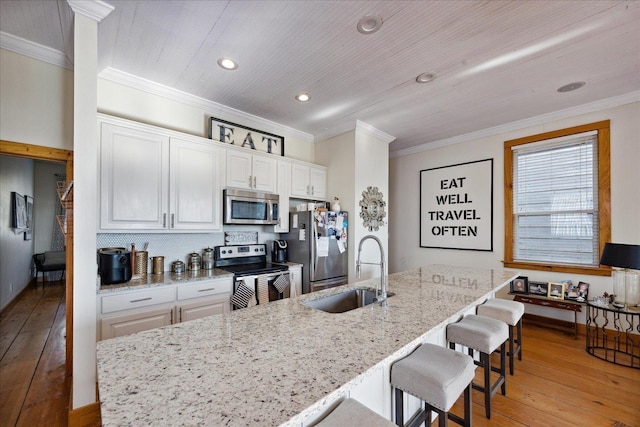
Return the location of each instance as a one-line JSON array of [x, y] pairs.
[[130, 311], [295, 278], [195, 196], [125, 324], [284, 188], [308, 182], [150, 180], [251, 171], [134, 178]]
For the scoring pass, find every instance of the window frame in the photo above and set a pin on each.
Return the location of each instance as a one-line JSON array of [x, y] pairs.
[[604, 198]]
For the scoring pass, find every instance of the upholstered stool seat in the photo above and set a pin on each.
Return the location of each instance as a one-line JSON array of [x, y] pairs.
[[352, 413], [509, 312], [485, 335], [437, 376]]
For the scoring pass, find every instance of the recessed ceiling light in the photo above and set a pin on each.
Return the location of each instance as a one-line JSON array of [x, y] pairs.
[[426, 77], [227, 63], [303, 97], [369, 24], [571, 86]]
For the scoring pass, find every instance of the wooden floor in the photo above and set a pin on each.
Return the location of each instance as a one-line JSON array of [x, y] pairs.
[[33, 388], [556, 384]]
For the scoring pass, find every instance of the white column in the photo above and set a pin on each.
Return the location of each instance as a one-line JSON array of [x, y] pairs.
[[87, 14]]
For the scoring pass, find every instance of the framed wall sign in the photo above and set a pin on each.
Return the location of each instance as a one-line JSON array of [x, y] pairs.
[[242, 136], [28, 234], [456, 206], [18, 211]]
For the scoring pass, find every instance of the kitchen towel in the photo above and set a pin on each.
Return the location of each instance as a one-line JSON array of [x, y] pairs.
[[281, 283], [263, 290], [241, 297]]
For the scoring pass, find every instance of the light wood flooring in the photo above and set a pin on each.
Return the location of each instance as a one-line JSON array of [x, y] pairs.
[[556, 384]]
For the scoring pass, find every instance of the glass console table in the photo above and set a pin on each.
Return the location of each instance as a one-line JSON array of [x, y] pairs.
[[613, 334]]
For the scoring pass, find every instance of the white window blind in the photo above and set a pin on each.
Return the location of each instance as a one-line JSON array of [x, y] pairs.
[[555, 201]]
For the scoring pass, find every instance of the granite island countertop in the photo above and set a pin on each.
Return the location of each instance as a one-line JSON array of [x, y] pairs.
[[274, 364], [167, 278]]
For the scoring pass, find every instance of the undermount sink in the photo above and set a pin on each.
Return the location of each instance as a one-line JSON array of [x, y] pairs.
[[345, 301]]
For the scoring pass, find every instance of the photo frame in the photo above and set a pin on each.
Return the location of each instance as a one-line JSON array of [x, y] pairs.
[[519, 285], [28, 234], [18, 211], [583, 292], [556, 290], [570, 290], [538, 288]]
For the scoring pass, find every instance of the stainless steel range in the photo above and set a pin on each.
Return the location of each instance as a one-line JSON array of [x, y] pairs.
[[256, 280]]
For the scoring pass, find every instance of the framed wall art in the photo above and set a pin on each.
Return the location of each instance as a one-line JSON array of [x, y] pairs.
[[28, 234], [18, 211], [456, 206], [245, 137]]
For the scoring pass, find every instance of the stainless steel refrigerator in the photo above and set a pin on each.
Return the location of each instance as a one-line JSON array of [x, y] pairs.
[[318, 241]]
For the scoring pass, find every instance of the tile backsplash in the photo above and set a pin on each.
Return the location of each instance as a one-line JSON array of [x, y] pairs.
[[173, 246]]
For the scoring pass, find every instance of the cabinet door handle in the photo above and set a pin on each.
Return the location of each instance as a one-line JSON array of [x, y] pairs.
[[180, 319], [206, 290], [173, 224], [308, 189], [250, 181], [141, 299], [255, 185], [164, 220], [313, 190]]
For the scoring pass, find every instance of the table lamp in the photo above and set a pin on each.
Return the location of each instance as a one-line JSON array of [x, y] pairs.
[[626, 274]]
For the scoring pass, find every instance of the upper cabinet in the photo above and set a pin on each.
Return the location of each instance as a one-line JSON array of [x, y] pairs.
[[308, 181], [284, 189], [251, 171], [134, 178], [151, 181], [195, 185]]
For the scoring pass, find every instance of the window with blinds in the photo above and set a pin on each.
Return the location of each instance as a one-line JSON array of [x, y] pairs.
[[555, 201]]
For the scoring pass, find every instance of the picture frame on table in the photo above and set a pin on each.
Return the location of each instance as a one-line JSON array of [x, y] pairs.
[[519, 285], [571, 291], [556, 290], [538, 288], [583, 292]]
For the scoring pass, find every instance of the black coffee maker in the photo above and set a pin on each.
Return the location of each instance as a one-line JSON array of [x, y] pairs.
[[279, 251]]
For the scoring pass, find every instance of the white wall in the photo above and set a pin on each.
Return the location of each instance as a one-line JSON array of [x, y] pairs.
[[134, 104], [36, 106], [405, 250], [16, 174]]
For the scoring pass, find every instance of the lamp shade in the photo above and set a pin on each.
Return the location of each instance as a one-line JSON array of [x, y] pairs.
[[621, 255]]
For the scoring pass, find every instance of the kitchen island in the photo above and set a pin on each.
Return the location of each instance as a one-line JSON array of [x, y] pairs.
[[282, 363]]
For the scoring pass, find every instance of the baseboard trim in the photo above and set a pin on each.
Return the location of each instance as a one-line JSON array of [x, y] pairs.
[[86, 416]]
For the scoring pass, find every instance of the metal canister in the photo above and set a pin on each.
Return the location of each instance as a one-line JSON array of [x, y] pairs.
[[157, 264], [207, 259], [193, 261], [177, 267]]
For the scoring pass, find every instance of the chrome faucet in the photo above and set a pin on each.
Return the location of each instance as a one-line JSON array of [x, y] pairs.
[[382, 293]]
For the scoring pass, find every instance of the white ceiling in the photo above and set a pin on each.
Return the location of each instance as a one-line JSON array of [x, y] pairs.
[[497, 62]]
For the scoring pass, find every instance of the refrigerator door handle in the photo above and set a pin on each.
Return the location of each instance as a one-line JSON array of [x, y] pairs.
[[314, 249]]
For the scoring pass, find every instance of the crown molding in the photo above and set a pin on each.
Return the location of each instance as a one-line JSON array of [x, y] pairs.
[[374, 132], [591, 107], [93, 9], [34, 50], [214, 108]]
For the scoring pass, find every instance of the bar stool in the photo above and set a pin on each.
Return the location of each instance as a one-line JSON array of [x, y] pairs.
[[483, 334], [509, 312], [437, 376], [350, 412]]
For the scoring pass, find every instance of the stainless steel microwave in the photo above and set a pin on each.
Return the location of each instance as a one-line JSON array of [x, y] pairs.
[[250, 207]]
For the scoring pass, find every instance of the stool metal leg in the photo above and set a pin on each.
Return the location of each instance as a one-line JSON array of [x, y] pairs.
[[399, 407]]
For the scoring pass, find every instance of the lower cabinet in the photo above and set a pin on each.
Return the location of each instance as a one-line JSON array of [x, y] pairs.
[[117, 326], [128, 312]]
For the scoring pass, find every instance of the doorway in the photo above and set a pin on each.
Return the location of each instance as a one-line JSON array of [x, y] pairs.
[[37, 152]]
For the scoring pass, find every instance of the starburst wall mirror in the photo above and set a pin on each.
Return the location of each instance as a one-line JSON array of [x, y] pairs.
[[372, 208]]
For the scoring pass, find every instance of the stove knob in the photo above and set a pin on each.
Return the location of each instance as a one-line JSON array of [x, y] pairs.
[[224, 252]]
